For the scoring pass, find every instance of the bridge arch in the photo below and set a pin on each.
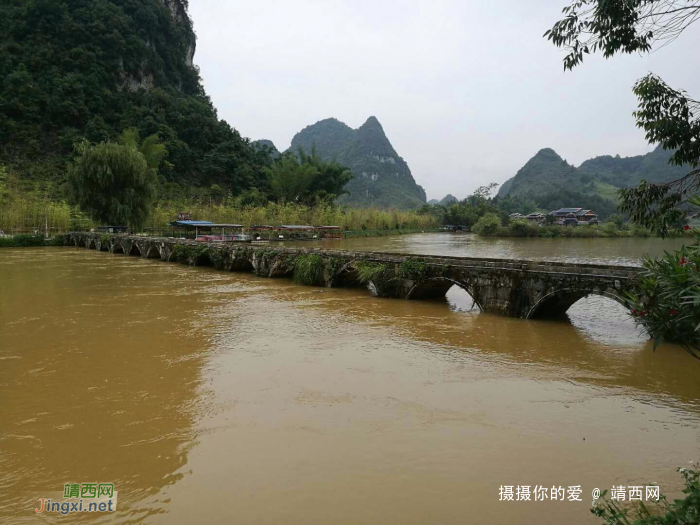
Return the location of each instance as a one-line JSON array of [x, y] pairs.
[[153, 252], [347, 276], [91, 244], [135, 250], [438, 287], [117, 248], [79, 242], [557, 303]]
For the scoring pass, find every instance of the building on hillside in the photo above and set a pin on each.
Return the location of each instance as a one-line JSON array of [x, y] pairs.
[[534, 217], [587, 216], [574, 216], [562, 213]]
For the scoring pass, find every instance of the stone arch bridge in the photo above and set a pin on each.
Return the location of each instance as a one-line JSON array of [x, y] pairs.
[[515, 288]]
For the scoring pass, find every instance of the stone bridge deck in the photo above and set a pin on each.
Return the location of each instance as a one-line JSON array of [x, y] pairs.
[[516, 288]]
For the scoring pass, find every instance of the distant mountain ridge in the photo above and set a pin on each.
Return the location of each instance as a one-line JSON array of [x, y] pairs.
[[547, 172], [381, 177], [446, 200]]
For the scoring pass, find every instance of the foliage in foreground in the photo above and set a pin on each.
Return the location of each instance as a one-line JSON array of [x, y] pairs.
[[668, 116], [667, 305], [684, 511]]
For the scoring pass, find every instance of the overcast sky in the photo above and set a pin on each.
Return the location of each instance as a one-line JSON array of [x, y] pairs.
[[466, 90]]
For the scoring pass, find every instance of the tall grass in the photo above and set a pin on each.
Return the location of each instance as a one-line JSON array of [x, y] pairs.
[[274, 214], [27, 212]]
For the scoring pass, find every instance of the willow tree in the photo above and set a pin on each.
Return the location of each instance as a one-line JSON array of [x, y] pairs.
[[113, 183]]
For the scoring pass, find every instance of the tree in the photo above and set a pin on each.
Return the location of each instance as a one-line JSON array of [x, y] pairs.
[[617, 220], [668, 116], [488, 225], [112, 182], [307, 179], [151, 148]]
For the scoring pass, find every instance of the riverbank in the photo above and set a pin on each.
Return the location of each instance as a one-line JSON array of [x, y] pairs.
[[387, 233], [27, 241], [604, 231]]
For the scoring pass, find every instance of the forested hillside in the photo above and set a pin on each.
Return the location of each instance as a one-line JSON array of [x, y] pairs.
[[548, 182], [76, 69]]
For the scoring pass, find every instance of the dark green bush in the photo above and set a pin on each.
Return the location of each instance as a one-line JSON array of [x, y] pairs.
[[22, 241]]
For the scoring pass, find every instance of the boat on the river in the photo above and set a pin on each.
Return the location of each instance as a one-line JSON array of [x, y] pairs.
[[330, 232]]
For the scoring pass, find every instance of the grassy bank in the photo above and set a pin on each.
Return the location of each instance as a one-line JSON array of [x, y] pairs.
[[25, 241], [489, 227]]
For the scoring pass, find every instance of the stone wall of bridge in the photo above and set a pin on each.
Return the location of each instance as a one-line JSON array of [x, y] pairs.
[[516, 288]]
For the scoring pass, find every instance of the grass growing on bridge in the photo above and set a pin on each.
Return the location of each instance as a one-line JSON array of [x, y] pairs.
[[308, 269], [368, 271], [185, 254], [415, 270]]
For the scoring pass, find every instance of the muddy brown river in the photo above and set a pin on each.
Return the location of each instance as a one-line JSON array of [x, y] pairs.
[[213, 397]]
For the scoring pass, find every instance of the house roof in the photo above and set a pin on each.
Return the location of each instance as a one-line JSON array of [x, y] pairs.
[[567, 210]]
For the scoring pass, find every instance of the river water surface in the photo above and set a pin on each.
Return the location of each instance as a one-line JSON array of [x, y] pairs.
[[213, 397]]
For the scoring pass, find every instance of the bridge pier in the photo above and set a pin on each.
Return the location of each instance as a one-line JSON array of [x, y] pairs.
[[526, 289]]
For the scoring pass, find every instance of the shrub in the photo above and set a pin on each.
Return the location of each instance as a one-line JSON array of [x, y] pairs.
[[520, 228], [610, 229], [489, 225], [667, 302], [22, 241], [637, 230]]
